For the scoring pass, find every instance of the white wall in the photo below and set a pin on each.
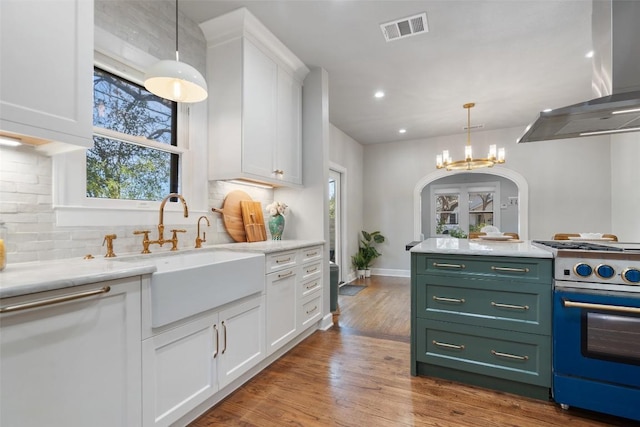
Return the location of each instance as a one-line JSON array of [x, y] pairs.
[[348, 154], [625, 186], [569, 185]]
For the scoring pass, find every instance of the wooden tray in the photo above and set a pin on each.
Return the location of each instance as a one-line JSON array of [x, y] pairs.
[[253, 221], [232, 215], [497, 241]]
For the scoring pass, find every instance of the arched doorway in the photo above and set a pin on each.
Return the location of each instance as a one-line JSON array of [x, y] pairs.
[[515, 177]]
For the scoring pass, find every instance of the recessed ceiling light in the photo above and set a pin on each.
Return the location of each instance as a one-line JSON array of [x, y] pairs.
[[379, 94], [589, 54], [402, 131]]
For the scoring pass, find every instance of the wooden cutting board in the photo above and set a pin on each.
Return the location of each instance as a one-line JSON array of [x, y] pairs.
[[232, 215], [253, 221]]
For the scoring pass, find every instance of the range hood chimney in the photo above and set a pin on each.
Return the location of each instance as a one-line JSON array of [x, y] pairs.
[[616, 80]]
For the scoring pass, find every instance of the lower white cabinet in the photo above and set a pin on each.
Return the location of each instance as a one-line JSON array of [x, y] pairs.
[[281, 307], [75, 362], [184, 366]]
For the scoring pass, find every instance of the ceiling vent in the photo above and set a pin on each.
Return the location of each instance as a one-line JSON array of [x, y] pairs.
[[405, 27]]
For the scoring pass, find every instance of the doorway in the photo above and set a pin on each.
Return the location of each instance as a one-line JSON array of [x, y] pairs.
[[335, 219]]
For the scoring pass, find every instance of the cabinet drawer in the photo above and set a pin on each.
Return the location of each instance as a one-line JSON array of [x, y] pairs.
[[505, 268], [496, 353], [310, 286], [312, 269], [512, 306], [281, 260], [311, 254], [310, 310]]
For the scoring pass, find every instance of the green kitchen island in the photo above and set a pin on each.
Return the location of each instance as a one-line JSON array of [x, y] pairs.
[[481, 314]]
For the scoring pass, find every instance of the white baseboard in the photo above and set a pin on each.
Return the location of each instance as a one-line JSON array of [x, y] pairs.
[[390, 272]]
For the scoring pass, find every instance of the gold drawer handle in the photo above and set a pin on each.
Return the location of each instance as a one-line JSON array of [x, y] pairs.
[[215, 329], [312, 270], [287, 274], [509, 356], [457, 300], [278, 261], [312, 285], [315, 307], [514, 307], [510, 269], [310, 254], [56, 300], [439, 264], [445, 345]]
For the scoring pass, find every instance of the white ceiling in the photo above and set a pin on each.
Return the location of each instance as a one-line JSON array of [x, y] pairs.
[[513, 58]]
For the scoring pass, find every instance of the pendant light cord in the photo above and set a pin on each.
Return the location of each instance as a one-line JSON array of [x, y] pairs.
[[177, 55]]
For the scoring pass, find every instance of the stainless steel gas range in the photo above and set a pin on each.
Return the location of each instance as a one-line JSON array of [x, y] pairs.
[[596, 326]]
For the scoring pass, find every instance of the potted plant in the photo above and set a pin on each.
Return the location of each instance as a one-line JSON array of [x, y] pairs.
[[368, 249], [359, 263]]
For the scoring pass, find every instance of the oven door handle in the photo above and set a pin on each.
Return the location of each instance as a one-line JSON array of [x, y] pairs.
[[619, 308]]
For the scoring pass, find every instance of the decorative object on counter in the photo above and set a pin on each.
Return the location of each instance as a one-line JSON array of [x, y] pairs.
[[3, 248], [253, 221], [200, 241], [175, 80], [161, 240], [276, 210], [108, 238], [232, 215], [494, 157]]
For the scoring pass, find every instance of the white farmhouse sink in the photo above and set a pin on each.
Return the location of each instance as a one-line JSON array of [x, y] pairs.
[[189, 283]]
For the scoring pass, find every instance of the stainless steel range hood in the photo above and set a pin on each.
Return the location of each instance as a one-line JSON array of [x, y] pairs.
[[616, 79]]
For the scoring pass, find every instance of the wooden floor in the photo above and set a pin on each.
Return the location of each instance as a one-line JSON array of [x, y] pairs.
[[357, 374]]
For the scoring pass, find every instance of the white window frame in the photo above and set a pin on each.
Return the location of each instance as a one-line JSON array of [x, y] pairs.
[[71, 205], [463, 191]]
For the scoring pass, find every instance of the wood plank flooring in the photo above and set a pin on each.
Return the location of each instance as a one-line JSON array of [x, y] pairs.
[[357, 374]]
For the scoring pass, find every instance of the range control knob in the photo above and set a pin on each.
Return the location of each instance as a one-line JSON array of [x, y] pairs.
[[631, 275], [605, 271], [583, 270]]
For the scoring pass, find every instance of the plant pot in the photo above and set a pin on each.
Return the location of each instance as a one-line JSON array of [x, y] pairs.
[[360, 273], [367, 273]]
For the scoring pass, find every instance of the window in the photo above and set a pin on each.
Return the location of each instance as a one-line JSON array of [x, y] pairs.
[[135, 136], [455, 218]]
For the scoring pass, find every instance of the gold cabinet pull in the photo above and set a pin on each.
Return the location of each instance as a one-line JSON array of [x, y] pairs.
[[279, 261], [312, 270], [311, 285], [510, 269], [56, 300], [509, 356], [446, 345], [315, 307], [215, 329], [445, 265], [310, 254], [443, 299], [618, 308], [287, 274], [511, 306], [225, 337]]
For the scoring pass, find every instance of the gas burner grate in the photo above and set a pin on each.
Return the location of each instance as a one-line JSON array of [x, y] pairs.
[[582, 246]]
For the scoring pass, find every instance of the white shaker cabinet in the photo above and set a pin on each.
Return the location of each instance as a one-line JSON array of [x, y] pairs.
[[46, 52], [281, 299], [185, 365], [75, 362], [255, 107]]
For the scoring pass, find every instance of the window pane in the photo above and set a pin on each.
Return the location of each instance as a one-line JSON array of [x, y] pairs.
[[118, 170], [128, 108], [447, 206], [480, 210]]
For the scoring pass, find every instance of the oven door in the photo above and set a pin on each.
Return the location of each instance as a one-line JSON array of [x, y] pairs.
[[596, 336]]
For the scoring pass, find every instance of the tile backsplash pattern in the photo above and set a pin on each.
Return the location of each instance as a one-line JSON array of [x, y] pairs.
[[26, 208]]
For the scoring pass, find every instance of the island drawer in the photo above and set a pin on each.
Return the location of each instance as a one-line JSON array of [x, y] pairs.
[[506, 268], [514, 356], [516, 306]]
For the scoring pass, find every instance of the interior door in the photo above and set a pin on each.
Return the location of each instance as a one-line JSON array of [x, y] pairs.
[[335, 223]]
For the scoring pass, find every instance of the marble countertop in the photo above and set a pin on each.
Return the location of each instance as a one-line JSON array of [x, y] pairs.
[[32, 277], [450, 245]]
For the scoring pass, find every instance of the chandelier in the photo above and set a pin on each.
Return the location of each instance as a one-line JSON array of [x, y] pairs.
[[443, 161]]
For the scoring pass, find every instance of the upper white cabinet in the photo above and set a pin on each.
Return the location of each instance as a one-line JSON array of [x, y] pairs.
[[46, 52], [255, 102]]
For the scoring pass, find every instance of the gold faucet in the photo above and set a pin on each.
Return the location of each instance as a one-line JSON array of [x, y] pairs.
[[199, 241], [161, 240], [108, 238]]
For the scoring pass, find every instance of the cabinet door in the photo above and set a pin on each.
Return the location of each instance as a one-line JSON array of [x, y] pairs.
[[46, 52], [288, 149], [74, 363], [281, 308], [258, 112], [179, 370], [242, 343]]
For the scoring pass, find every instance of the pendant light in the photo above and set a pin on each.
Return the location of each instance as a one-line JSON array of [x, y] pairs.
[[443, 161], [175, 80]]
